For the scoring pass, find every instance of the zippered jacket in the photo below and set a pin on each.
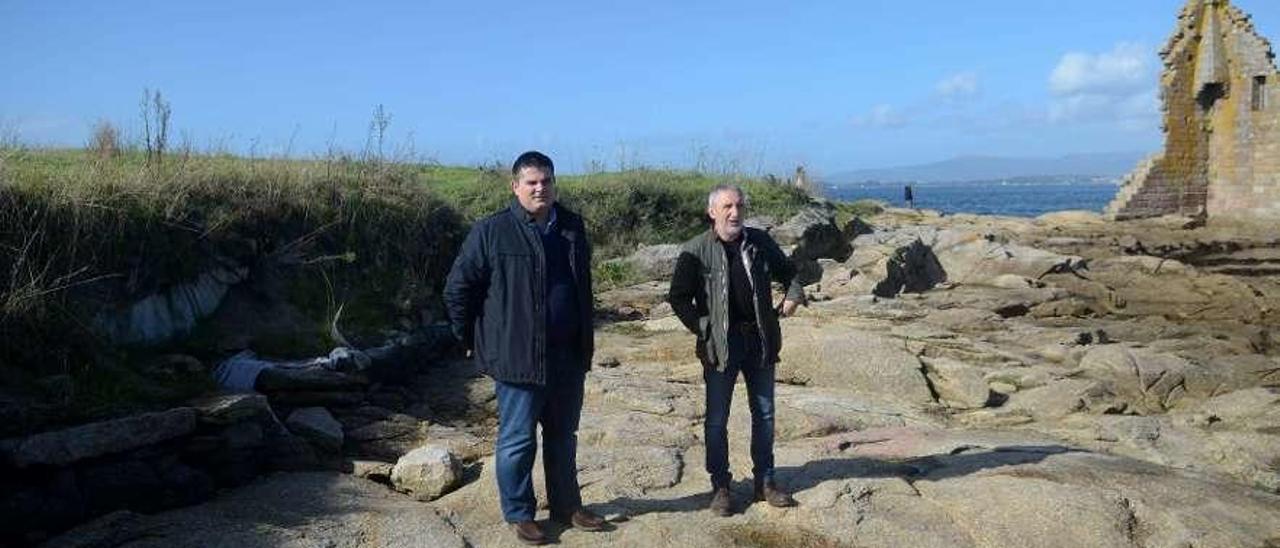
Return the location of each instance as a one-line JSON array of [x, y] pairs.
[[699, 293], [495, 293]]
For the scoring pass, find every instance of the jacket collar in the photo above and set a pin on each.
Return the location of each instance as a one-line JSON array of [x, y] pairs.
[[526, 217], [746, 237], [561, 218]]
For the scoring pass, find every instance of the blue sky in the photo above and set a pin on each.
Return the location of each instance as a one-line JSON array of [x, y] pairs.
[[746, 85]]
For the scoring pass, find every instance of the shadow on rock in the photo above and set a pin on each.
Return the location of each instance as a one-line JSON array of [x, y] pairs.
[[960, 462], [912, 269]]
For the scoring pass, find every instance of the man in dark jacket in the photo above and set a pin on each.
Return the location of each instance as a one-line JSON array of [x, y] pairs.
[[721, 292], [519, 298]]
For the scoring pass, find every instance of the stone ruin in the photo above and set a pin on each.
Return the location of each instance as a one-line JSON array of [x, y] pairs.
[[1221, 122]]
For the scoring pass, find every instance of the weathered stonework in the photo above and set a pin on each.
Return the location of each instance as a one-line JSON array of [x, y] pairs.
[[1221, 123]]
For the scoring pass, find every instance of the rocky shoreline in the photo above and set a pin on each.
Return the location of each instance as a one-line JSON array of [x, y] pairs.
[[956, 381]]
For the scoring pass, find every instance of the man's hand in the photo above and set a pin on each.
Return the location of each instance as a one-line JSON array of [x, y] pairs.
[[788, 308]]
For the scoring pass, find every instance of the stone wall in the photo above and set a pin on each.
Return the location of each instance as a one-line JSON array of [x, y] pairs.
[[1221, 144], [145, 463]]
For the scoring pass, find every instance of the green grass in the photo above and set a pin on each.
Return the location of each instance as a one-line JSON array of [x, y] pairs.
[[614, 274], [623, 210]]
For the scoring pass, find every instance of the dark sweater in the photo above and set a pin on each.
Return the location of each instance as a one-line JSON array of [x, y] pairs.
[[561, 290], [741, 309]]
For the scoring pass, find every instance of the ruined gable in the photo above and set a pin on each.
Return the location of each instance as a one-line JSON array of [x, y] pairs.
[[1221, 123]]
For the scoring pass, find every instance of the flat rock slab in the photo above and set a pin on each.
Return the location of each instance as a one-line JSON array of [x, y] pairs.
[[231, 408], [63, 447], [300, 510], [317, 426]]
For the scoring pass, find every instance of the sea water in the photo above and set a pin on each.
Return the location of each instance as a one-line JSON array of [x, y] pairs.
[[988, 197]]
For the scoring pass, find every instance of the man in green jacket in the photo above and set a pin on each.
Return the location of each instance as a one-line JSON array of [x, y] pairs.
[[721, 291]]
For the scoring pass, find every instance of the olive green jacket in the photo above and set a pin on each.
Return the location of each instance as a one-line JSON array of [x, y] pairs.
[[699, 293]]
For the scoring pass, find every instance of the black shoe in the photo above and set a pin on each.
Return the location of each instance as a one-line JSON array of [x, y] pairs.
[[721, 502], [581, 519], [529, 532], [776, 498]]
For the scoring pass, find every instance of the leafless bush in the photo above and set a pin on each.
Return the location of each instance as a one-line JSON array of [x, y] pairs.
[[104, 140], [155, 125], [378, 133]]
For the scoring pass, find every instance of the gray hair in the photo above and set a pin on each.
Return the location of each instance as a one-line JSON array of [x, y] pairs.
[[716, 190]]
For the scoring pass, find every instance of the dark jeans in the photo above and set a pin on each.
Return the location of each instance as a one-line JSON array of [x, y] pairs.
[[557, 407], [745, 356]]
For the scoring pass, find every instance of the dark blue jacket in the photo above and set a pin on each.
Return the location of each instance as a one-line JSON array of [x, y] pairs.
[[495, 293]]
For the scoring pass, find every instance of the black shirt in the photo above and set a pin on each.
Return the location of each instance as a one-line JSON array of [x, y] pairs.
[[741, 307]]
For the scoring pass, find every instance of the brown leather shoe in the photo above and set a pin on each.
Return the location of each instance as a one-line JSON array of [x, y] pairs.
[[529, 532], [581, 519], [721, 502], [777, 498]]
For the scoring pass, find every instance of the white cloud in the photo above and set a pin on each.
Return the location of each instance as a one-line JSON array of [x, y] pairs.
[[959, 85], [1116, 86], [882, 116], [1126, 68]]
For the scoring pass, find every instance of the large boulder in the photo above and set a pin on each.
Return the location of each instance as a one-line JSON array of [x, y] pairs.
[[828, 355], [974, 258], [917, 258], [911, 269], [815, 236], [427, 473], [653, 262]]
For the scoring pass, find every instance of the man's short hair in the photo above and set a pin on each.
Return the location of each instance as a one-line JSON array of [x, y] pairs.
[[533, 159], [716, 190]]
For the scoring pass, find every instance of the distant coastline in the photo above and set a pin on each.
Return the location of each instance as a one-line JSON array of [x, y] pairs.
[[994, 168]]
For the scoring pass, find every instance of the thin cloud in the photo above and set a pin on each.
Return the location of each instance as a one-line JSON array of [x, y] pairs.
[[882, 116], [958, 86]]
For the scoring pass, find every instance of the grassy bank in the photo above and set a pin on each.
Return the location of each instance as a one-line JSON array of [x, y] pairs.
[[81, 235], [83, 232]]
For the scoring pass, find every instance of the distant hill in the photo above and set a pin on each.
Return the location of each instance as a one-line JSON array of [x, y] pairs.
[[986, 168]]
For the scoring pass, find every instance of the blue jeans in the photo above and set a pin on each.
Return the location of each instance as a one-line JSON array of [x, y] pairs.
[[745, 356], [557, 407]]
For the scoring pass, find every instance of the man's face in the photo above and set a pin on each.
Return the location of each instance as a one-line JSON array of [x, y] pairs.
[[535, 189], [728, 211]]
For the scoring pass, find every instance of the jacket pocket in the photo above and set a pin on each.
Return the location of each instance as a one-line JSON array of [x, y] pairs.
[[702, 345]]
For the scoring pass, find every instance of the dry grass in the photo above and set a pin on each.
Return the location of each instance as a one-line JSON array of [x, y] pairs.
[[777, 536], [80, 233]]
